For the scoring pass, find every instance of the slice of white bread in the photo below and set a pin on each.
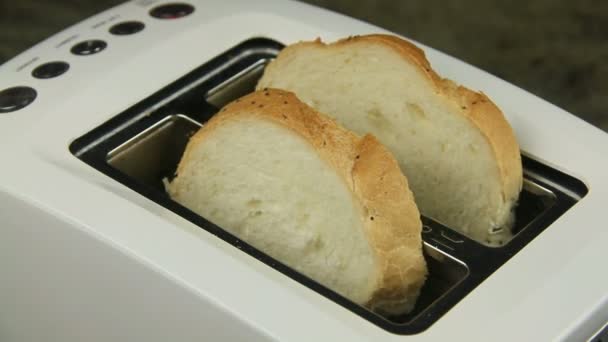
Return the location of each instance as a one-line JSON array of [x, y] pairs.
[[311, 194], [454, 145]]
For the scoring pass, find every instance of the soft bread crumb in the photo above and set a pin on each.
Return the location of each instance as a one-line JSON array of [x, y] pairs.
[[309, 193], [459, 153]]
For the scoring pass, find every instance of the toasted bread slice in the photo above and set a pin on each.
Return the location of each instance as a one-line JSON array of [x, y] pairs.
[[454, 145], [313, 195]]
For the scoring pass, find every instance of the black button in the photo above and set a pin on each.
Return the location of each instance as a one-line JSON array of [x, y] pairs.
[[172, 11], [88, 47], [127, 27], [15, 98], [50, 69]]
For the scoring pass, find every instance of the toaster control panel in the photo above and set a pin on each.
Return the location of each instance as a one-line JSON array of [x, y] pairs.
[[75, 44]]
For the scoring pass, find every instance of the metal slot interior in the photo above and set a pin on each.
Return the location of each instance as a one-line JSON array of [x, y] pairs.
[[239, 85], [155, 153], [533, 201], [141, 153]]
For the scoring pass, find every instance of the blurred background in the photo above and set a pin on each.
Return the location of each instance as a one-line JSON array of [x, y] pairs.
[[557, 50]]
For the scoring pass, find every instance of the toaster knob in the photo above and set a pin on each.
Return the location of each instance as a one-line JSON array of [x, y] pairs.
[[50, 69], [88, 47], [171, 11], [127, 27], [15, 98]]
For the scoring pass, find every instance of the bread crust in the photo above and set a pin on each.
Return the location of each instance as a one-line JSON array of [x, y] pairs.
[[388, 202], [476, 107], [480, 111], [390, 216]]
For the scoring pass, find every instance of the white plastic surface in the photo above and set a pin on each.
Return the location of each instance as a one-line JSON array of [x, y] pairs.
[[84, 258]]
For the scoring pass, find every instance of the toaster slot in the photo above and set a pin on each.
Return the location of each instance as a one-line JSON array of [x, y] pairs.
[[151, 157], [142, 146], [534, 200], [153, 154], [239, 85], [445, 274]]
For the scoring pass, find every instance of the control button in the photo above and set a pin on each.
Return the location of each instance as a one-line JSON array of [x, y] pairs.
[[127, 27], [426, 229], [50, 69], [15, 98], [88, 47], [172, 11]]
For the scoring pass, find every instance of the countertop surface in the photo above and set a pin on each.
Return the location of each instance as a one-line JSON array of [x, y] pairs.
[[557, 50]]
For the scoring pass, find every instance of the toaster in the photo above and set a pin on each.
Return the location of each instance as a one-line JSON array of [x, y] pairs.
[[95, 118]]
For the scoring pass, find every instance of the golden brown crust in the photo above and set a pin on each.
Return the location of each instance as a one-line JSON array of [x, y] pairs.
[[390, 214], [391, 218], [331, 141], [475, 106]]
